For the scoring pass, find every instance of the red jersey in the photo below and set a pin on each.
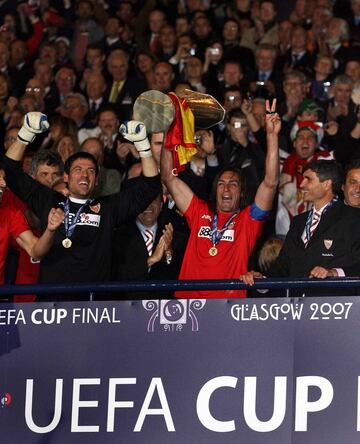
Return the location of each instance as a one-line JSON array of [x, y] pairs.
[[294, 165], [13, 223], [233, 250], [27, 270]]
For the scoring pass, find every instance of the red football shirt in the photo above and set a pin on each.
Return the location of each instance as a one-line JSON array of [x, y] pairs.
[[234, 249], [13, 223]]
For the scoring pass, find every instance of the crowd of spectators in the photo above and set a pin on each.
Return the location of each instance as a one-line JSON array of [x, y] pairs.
[[83, 64]]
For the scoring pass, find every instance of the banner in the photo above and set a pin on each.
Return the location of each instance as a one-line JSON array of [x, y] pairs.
[[181, 371]]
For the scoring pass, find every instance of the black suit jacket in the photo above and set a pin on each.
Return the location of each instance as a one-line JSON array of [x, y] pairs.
[[304, 64], [334, 244], [130, 258], [131, 89]]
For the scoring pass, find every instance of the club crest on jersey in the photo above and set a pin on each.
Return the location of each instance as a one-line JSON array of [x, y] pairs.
[[95, 208], [207, 217], [328, 243]]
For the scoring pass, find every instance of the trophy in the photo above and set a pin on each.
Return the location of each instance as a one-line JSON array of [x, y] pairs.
[[177, 118]]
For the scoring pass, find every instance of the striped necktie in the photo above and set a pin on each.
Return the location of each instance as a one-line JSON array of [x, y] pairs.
[[314, 223], [149, 240]]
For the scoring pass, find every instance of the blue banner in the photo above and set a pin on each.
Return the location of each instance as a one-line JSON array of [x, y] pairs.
[[181, 371]]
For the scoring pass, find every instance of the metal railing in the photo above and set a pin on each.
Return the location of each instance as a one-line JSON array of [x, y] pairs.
[[92, 288]]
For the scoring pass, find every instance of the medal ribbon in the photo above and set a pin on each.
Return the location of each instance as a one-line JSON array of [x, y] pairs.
[[216, 234], [69, 228]]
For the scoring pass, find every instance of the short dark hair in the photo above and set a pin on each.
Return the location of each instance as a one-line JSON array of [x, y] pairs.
[[352, 165], [46, 157], [244, 199], [237, 113], [80, 155], [327, 170]]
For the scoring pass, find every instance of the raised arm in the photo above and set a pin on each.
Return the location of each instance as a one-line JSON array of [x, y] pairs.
[[178, 189], [38, 247], [34, 123], [267, 189], [135, 132]]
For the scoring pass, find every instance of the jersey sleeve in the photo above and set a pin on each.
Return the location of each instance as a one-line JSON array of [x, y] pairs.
[[17, 222], [196, 206]]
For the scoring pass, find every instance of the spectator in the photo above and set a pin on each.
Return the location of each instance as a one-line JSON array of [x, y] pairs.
[[145, 63], [285, 31], [267, 79], [297, 57], [202, 34], [46, 167], [75, 107], [123, 90], [291, 200], [164, 76], [95, 89], [265, 29], [193, 74], [86, 31], [336, 38], [150, 40], [146, 249], [66, 146], [352, 69], [108, 180], [351, 185], [167, 43], [320, 84], [65, 83]]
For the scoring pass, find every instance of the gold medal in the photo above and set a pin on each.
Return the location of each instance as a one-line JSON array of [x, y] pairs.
[[213, 251], [67, 243]]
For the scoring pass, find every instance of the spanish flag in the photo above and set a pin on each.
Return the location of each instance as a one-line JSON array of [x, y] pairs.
[[180, 135]]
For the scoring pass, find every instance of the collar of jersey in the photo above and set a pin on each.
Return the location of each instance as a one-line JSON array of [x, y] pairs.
[[78, 201]]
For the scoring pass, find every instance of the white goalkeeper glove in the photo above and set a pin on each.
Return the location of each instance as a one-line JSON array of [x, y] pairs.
[[34, 123], [135, 131]]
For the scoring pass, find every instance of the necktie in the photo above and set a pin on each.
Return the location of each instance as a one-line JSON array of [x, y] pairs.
[[153, 43], [149, 241], [314, 223], [262, 76], [93, 108], [114, 92]]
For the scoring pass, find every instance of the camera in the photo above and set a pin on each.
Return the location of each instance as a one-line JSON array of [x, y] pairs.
[[237, 125], [214, 51], [260, 84], [230, 98], [197, 139], [191, 51]]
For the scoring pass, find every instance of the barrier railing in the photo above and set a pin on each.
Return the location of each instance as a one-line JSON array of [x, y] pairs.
[[174, 285]]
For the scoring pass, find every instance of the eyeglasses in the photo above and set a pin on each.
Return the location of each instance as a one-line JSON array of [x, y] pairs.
[[32, 89]]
